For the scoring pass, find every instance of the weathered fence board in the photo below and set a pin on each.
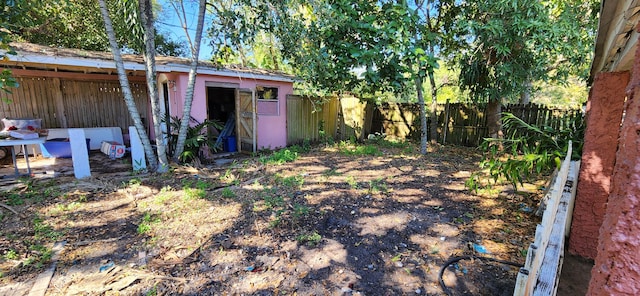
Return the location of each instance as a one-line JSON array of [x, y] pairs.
[[63, 103], [309, 119]]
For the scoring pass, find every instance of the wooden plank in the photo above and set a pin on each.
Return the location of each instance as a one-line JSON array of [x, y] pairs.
[[43, 280], [537, 263], [572, 200], [79, 153], [552, 263], [138, 157]]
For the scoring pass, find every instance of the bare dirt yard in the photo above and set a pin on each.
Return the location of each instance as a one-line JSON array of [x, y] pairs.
[[375, 219]]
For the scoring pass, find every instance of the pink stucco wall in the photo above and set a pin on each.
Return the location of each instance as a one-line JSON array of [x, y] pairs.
[[616, 270], [271, 129], [604, 114]]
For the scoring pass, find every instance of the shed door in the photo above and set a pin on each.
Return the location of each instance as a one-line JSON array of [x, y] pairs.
[[246, 123]]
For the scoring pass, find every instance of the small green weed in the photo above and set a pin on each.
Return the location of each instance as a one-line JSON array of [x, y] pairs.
[[162, 197], [68, 207], [192, 194], [39, 255], [331, 172], [228, 193], [152, 292], [310, 239], [203, 185], [228, 177], [11, 255], [135, 182], [295, 181], [273, 201], [396, 258], [15, 200], [351, 180], [147, 221], [378, 186], [300, 211], [42, 231]]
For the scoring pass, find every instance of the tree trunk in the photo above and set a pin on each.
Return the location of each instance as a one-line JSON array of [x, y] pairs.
[[188, 98], [423, 117], [149, 54], [494, 114], [432, 112], [126, 89], [525, 95]]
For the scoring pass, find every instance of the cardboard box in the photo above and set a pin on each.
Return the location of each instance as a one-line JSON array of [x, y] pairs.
[[113, 149]]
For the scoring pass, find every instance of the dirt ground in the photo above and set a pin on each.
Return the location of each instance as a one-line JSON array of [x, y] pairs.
[[336, 221]]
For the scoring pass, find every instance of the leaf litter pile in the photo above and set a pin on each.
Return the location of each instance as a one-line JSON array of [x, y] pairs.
[[374, 219]]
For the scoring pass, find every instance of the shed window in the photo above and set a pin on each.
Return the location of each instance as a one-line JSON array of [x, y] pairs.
[[267, 103]]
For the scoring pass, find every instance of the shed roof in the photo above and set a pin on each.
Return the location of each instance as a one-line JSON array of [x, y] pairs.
[[31, 55], [617, 36]]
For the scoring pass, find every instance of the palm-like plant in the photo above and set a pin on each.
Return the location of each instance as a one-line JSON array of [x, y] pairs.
[[197, 138], [528, 150]]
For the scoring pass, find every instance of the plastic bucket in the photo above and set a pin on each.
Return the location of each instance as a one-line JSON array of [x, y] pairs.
[[230, 144]]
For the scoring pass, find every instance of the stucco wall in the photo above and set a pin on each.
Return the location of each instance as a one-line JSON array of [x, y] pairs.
[[271, 129], [617, 267], [604, 114]]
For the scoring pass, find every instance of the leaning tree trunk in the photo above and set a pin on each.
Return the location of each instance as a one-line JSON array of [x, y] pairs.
[[423, 116], [494, 114], [525, 95], [149, 54], [126, 89], [188, 99], [432, 112]]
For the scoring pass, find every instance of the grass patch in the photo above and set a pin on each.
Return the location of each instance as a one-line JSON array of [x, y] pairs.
[[311, 239], [165, 194], [42, 231], [295, 181], [360, 150], [279, 157], [228, 193], [15, 199]]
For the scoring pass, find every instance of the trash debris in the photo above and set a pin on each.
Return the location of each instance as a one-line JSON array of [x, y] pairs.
[[249, 268], [480, 249], [346, 290], [525, 208], [106, 267]]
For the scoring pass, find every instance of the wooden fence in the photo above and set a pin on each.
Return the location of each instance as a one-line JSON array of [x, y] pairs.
[[65, 102], [463, 124], [458, 123], [310, 119], [320, 119]]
